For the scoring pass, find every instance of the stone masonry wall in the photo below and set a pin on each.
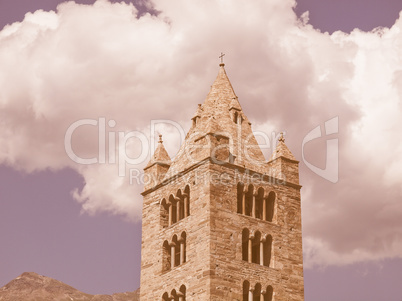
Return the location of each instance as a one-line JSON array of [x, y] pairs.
[[285, 274], [194, 273]]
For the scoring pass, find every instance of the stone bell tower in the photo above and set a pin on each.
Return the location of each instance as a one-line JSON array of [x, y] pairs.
[[220, 222]]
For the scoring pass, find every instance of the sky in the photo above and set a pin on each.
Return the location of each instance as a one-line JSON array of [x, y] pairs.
[[294, 66]]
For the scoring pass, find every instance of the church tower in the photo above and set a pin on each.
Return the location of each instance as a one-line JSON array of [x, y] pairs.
[[219, 222]]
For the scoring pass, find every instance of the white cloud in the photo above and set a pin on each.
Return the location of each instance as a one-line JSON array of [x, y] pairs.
[[90, 62]]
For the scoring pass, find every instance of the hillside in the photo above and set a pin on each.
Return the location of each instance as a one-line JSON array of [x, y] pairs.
[[34, 287]]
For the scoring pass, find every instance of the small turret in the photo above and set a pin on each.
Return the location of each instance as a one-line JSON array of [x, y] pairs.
[[157, 167], [283, 164]]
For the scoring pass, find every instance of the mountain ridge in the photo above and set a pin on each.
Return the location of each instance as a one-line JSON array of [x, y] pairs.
[[30, 286]]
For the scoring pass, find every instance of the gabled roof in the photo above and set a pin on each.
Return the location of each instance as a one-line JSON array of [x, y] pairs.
[[160, 155]]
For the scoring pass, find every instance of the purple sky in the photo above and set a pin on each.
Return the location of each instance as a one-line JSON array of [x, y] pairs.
[[44, 229]]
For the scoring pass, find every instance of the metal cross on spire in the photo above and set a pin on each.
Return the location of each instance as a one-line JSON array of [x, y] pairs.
[[221, 57]]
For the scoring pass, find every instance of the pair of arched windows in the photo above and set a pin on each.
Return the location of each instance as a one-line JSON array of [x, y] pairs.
[[257, 293], [174, 252], [256, 248], [174, 295], [176, 207], [255, 202]]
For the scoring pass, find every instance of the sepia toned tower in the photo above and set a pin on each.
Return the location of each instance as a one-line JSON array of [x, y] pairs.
[[219, 222]]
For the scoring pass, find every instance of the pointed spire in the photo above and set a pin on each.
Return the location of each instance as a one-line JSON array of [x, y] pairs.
[[216, 118], [160, 156], [282, 150], [221, 94]]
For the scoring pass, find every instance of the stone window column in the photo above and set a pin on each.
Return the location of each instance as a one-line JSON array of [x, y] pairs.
[[251, 294], [262, 295], [264, 208], [243, 204], [172, 254], [178, 204], [181, 296], [250, 249], [182, 245], [186, 200], [170, 213], [253, 208], [262, 251]]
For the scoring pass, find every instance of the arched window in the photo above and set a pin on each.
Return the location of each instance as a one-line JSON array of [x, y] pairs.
[[187, 201], [259, 203], [257, 292], [174, 296], [165, 297], [244, 244], [164, 213], [179, 205], [166, 260], [240, 195], [269, 292], [182, 293], [172, 209], [267, 246], [179, 295], [183, 245], [176, 252], [255, 202], [249, 199], [270, 206], [235, 117], [256, 247], [246, 289], [176, 207]]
